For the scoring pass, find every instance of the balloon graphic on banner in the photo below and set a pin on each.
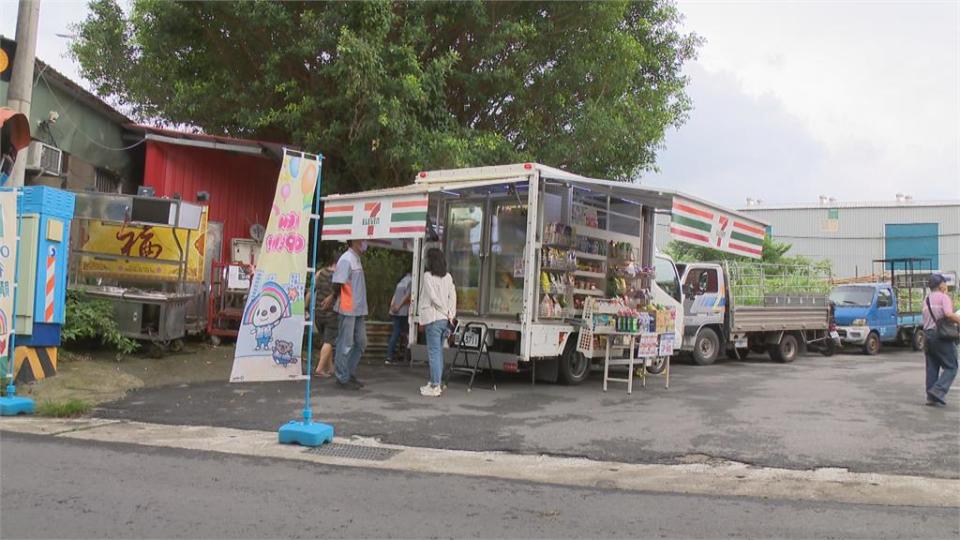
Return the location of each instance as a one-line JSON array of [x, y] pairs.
[[285, 191], [308, 182], [294, 167]]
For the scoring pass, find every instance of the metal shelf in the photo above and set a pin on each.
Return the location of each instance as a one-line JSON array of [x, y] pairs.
[[584, 273], [594, 256], [589, 292]]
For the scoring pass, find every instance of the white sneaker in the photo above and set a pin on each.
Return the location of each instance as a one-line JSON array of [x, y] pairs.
[[430, 390]]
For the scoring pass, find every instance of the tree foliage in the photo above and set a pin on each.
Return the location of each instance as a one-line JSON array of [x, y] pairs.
[[774, 253], [384, 89]]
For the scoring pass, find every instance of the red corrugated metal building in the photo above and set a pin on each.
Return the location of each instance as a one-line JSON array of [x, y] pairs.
[[239, 175]]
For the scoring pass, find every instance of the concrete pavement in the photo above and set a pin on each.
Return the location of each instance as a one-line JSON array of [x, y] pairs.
[[715, 477], [54, 487], [850, 411]]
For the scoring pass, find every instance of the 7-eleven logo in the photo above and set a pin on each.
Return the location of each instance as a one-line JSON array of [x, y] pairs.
[[373, 216], [721, 229]]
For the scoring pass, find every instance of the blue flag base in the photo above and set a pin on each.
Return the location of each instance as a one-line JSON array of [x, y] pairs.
[[14, 405], [312, 434]]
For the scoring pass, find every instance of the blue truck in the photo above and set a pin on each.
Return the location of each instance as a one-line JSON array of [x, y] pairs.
[[869, 315]]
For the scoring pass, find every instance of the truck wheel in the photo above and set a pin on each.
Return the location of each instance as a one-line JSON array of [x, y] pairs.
[[706, 348], [872, 346], [658, 365], [574, 366], [919, 340], [828, 347], [786, 351]]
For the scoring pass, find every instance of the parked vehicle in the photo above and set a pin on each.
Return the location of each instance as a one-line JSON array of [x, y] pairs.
[[886, 312], [755, 307]]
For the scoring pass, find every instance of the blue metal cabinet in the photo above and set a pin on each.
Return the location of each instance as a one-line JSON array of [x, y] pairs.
[[47, 246]]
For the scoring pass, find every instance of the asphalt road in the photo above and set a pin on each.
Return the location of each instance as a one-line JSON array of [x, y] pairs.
[[863, 413], [55, 488]]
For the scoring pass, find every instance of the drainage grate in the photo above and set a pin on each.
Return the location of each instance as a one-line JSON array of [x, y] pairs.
[[352, 451]]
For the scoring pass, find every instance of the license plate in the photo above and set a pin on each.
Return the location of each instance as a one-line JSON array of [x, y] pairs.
[[471, 339], [835, 335]]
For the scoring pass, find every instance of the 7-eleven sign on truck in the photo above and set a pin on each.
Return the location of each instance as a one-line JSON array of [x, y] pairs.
[[381, 217], [701, 225]]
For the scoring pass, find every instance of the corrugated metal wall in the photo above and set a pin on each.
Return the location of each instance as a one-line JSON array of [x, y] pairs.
[[241, 187], [851, 238]]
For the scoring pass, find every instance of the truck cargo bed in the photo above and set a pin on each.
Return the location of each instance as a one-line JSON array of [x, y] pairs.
[[778, 318]]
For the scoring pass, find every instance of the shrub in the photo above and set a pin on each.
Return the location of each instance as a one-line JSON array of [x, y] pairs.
[[88, 319], [382, 269]]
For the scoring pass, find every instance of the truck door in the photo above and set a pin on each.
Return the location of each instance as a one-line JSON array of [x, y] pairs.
[[886, 315], [703, 301]]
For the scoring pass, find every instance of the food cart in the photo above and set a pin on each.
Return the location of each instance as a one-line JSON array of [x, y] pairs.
[[527, 246], [142, 255]]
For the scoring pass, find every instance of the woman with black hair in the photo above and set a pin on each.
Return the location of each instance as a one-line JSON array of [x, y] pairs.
[[437, 309]]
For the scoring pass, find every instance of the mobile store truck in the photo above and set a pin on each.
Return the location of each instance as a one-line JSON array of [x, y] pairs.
[[528, 244]]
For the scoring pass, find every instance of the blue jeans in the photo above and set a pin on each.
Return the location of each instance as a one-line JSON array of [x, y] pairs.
[[401, 325], [941, 358], [351, 342], [436, 331]]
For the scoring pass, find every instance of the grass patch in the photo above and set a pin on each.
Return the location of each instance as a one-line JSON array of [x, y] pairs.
[[64, 409]]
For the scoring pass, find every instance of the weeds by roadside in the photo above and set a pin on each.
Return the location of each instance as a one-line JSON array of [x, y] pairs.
[[64, 409]]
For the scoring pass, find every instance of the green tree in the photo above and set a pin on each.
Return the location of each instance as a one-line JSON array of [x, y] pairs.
[[384, 89]]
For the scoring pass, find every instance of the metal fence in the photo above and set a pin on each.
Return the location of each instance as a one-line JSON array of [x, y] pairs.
[[758, 284]]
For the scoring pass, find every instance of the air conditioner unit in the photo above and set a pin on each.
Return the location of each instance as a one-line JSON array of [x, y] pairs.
[[45, 158]]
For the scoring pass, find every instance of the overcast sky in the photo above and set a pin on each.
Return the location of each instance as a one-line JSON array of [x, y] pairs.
[[854, 100]]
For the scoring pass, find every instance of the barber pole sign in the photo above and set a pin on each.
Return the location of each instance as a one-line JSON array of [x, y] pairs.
[[707, 227], [375, 218], [51, 290]]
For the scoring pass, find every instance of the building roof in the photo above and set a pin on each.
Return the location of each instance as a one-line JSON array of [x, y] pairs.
[[215, 142], [55, 78], [852, 204]]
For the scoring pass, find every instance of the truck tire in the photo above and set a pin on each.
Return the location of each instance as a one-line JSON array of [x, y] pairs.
[[658, 365], [919, 339], [872, 345], [828, 347], [574, 366], [786, 351], [706, 347]]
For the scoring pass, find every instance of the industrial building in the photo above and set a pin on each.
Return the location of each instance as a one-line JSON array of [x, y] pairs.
[[851, 235]]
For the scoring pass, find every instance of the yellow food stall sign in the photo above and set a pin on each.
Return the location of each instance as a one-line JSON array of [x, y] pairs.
[[142, 242]]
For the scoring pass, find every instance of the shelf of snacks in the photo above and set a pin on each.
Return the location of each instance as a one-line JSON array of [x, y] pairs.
[[557, 235]]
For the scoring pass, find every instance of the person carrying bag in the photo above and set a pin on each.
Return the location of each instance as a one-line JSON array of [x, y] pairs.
[[940, 324]]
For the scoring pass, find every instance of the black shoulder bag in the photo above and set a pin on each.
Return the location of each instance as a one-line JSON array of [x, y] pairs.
[[947, 329]]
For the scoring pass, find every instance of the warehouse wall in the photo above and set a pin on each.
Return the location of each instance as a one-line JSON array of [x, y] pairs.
[[851, 237]]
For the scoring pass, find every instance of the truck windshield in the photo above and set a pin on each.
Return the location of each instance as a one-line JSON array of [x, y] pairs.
[[852, 296], [666, 276]]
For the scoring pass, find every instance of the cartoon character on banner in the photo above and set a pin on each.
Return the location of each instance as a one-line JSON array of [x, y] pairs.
[[264, 313], [283, 353]]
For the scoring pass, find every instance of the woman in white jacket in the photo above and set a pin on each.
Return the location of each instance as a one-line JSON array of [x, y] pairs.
[[437, 309]]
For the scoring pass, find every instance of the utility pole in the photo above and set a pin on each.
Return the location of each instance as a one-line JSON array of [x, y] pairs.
[[21, 78]]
